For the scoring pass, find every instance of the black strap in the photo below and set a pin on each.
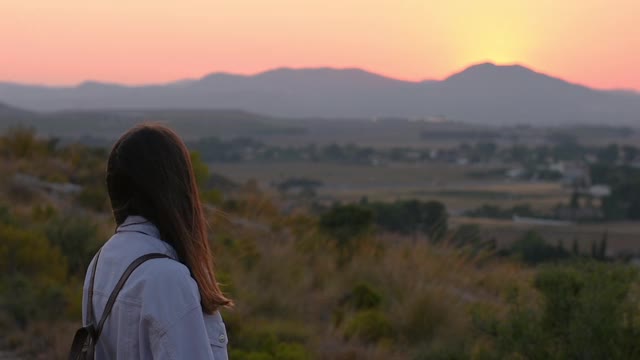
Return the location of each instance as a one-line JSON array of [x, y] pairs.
[[91, 316], [114, 294]]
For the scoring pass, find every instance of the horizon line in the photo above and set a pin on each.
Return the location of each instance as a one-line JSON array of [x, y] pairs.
[[319, 67]]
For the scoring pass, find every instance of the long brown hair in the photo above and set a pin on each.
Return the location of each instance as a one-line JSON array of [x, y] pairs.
[[149, 173]]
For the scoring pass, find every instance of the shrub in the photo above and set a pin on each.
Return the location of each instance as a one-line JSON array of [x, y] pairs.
[[291, 351], [268, 341], [369, 326], [362, 297], [532, 249], [32, 277], [467, 234], [43, 212], [29, 253], [450, 352], [213, 196], [77, 239], [93, 198], [21, 142], [5, 215], [586, 313], [26, 299], [422, 319], [412, 216], [346, 222]]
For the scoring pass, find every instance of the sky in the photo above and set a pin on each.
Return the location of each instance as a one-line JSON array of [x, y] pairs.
[[64, 42]]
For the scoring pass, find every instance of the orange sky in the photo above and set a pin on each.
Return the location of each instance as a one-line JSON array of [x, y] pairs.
[[594, 42]]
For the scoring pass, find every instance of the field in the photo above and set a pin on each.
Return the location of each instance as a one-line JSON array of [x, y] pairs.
[[623, 238], [448, 183]]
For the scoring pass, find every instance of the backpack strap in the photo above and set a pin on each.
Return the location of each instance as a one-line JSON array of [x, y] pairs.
[[91, 316], [114, 294]]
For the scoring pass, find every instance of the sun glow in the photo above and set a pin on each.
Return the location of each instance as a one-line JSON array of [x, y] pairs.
[[498, 31], [496, 46], [595, 42]]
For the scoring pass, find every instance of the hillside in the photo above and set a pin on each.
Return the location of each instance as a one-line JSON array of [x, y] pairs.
[[484, 93]]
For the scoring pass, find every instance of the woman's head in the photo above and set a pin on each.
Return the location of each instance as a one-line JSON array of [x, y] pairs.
[[149, 173]]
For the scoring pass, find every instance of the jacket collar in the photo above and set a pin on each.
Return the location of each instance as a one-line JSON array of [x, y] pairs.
[[139, 224]]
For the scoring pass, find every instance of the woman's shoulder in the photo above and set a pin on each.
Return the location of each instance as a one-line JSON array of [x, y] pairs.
[[167, 290], [166, 275]]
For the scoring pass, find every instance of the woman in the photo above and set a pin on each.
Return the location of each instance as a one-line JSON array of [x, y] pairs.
[[168, 306]]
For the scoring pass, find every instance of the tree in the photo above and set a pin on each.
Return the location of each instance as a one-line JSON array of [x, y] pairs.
[[586, 312], [435, 217], [346, 222], [532, 249], [411, 217], [609, 154], [575, 249], [602, 248]]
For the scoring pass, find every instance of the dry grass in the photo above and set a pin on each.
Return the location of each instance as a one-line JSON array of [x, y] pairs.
[[293, 278]]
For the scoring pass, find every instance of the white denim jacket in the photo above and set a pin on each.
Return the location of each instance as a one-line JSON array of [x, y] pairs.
[[157, 314]]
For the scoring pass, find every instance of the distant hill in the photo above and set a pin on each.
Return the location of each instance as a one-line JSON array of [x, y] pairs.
[[7, 111], [96, 126], [484, 93]]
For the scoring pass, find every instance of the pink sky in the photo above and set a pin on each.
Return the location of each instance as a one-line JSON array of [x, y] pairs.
[[593, 42]]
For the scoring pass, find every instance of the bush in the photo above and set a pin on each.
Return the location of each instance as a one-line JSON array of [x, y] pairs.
[[346, 225], [77, 239], [5, 215], [27, 300], [213, 196], [369, 326], [346, 222], [43, 212], [423, 318], [532, 249], [283, 341], [467, 234], [291, 351], [93, 198], [32, 277], [411, 217], [30, 254], [587, 312], [451, 352], [362, 297], [21, 142]]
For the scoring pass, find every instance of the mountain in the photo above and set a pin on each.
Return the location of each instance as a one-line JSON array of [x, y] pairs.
[[7, 111], [483, 93]]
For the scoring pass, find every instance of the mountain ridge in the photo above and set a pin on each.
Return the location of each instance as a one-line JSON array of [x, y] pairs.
[[480, 93]]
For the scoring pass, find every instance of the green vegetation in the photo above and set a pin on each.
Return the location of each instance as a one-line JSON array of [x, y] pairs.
[[412, 217], [496, 212], [532, 249], [372, 280], [624, 201], [585, 311]]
